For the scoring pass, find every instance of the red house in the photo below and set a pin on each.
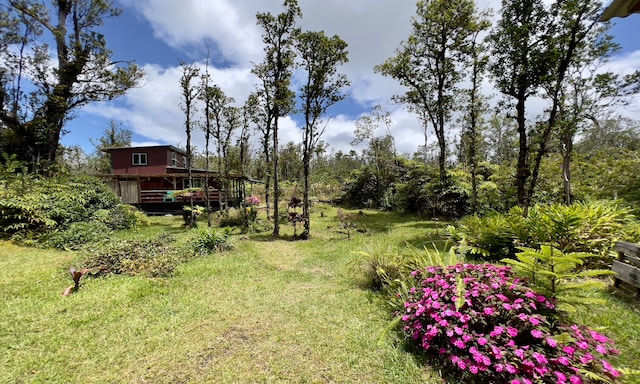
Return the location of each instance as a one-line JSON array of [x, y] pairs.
[[150, 176]]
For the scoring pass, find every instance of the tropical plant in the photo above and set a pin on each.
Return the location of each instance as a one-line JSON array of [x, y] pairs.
[[555, 274], [207, 240], [591, 227]]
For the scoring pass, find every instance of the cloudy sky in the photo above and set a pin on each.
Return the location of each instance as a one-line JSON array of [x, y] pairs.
[[159, 34]]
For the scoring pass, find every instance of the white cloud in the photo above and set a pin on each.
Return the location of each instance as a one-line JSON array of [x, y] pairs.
[[372, 29]]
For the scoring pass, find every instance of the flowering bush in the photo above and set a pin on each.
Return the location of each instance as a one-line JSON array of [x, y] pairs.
[[250, 201], [491, 328]]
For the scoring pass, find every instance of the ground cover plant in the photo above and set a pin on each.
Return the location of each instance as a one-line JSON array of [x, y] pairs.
[[489, 326]]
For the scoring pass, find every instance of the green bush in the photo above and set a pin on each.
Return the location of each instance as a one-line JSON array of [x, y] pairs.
[[76, 235], [155, 258], [35, 207], [123, 216], [207, 240], [491, 237], [556, 275], [591, 227]]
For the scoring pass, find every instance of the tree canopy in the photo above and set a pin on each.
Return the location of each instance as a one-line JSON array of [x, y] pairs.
[[41, 86]]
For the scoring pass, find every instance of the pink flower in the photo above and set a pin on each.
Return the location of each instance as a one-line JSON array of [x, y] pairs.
[[610, 369], [510, 368], [598, 337], [513, 332], [564, 360], [551, 342], [520, 353], [489, 311], [587, 358], [534, 321], [497, 331], [602, 349], [569, 350], [561, 377], [540, 358], [575, 380], [482, 341], [582, 345], [536, 333]]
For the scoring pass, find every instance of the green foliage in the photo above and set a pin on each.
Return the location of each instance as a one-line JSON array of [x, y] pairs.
[[207, 240], [591, 227], [555, 274], [123, 216], [390, 271], [75, 70], [76, 235], [31, 207], [368, 188], [491, 237], [155, 257]]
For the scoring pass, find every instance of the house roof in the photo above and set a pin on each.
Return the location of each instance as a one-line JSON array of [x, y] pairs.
[[620, 8], [171, 147]]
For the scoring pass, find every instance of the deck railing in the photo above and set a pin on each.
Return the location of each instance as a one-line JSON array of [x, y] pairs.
[[163, 196]]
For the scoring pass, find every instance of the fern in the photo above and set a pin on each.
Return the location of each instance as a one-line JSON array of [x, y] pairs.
[[556, 275]]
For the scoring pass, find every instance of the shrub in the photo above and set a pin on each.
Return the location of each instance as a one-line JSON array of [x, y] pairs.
[[207, 240], [31, 207], [76, 235], [591, 227], [123, 216], [155, 258], [488, 327], [491, 237], [555, 274]]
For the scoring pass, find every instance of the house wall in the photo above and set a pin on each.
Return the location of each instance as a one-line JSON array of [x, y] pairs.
[[158, 158]]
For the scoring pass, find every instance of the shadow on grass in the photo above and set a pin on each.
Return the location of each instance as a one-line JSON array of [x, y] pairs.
[[428, 241]]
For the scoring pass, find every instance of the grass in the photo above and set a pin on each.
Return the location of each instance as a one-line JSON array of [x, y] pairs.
[[268, 311]]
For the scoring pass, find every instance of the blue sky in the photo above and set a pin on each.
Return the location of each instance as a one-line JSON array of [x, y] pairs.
[[159, 34]]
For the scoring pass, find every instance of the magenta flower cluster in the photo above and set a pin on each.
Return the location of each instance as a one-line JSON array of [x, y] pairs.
[[251, 201], [499, 331]]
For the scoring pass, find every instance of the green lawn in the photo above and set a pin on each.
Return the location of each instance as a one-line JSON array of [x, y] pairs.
[[267, 311]]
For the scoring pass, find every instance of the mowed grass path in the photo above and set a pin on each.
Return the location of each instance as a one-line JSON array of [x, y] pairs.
[[269, 311]]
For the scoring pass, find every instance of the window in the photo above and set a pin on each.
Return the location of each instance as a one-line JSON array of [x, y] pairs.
[[184, 161], [198, 182], [174, 159], [139, 159]]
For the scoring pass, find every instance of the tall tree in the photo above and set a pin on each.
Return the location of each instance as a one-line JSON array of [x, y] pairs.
[[572, 33], [34, 109], [579, 89], [256, 110], [190, 92], [232, 121], [320, 57], [471, 136], [206, 95], [366, 127], [275, 74], [519, 50], [217, 103], [114, 136], [429, 63]]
